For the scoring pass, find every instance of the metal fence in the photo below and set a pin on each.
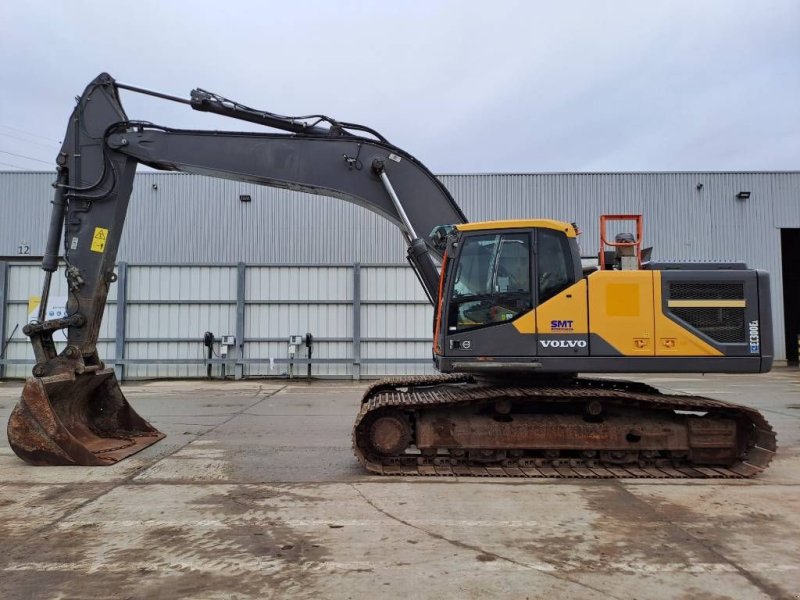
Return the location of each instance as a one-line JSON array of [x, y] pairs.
[[367, 320]]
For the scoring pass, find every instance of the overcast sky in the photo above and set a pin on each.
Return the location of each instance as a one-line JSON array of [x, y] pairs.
[[495, 86]]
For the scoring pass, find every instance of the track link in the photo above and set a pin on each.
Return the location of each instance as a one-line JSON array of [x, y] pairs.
[[415, 395]]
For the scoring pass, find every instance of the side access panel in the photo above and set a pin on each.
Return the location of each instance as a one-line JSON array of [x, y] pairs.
[[621, 313]]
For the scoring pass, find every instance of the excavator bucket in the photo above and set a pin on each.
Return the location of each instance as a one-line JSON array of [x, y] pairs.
[[77, 419]]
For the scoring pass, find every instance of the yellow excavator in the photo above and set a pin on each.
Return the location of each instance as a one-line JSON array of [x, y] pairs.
[[516, 315]]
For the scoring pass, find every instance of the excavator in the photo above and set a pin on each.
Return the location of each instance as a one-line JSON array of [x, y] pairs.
[[516, 315]]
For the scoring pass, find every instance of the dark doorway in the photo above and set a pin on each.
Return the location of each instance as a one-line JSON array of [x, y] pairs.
[[790, 256]]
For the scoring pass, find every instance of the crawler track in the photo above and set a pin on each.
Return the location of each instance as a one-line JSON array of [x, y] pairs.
[[409, 399]]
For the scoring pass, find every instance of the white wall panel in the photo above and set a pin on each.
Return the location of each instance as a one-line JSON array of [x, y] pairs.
[[185, 282], [180, 320], [283, 320], [396, 321], [390, 283], [396, 350], [299, 283], [164, 350]]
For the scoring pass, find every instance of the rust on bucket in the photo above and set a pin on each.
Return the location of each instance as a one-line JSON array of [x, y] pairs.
[[77, 419]]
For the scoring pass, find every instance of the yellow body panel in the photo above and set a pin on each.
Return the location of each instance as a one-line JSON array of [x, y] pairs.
[[621, 310], [671, 338], [526, 324], [625, 309], [519, 224], [570, 305]]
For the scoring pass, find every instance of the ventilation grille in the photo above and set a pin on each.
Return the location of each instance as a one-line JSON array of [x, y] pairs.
[[725, 325], [706, 291]]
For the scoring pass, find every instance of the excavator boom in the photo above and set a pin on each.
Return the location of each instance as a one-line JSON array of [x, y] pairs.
[[73, 411]]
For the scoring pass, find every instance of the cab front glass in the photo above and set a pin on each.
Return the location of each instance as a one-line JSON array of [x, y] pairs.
[[492, 282]]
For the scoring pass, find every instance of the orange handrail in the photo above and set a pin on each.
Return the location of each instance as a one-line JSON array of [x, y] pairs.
[[637, 243]]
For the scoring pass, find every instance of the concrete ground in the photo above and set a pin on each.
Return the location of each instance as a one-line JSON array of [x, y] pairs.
[[255, 494]]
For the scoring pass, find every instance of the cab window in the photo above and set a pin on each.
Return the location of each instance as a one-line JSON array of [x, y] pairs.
[[553, 258], [492, 282]]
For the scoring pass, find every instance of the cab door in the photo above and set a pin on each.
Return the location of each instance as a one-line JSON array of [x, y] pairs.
[[489, 309], [562, 313]]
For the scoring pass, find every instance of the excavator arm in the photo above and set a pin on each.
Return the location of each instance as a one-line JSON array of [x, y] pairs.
[[72, 411]]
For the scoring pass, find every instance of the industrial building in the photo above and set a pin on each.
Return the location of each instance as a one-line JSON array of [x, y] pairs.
[[259, 265]]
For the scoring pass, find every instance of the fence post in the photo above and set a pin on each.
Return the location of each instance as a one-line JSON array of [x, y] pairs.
[[240, 301], [3, 314], [122, 315], [356, 321]]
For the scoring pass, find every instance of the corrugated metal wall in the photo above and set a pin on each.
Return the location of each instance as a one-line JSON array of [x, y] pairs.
[[396, 321], [176, 218], [168, 308], [190, 218], [284, 301]]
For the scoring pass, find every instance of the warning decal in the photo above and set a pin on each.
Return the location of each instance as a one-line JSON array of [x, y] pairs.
[[99, 239]]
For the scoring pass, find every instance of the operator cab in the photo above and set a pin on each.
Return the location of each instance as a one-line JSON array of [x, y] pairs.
[[495, 274]]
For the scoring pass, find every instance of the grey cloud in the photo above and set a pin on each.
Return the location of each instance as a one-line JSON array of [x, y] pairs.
[[465, 86]]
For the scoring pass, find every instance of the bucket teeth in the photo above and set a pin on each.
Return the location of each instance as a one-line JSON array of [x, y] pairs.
[[69, 419]]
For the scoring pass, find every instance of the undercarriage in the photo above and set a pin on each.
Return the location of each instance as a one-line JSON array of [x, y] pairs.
[[593, 428]]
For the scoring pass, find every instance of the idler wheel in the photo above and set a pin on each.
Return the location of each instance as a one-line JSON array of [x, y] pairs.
[[390, 434]]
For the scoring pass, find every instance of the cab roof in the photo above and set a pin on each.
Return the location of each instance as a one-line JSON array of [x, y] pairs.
[[567, 228]]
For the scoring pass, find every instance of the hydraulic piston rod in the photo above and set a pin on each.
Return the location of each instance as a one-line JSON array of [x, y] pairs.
[[418, 253], [408, 229]]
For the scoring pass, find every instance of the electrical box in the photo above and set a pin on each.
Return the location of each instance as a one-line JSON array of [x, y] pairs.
[[225, 343], [295, 341]]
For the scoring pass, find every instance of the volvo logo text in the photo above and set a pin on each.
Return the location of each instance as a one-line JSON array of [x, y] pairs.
[[563, 343]]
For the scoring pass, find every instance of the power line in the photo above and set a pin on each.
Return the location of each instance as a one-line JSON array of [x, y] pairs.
[[47, 162], [11, 165], [24, 132], [27, 141]]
